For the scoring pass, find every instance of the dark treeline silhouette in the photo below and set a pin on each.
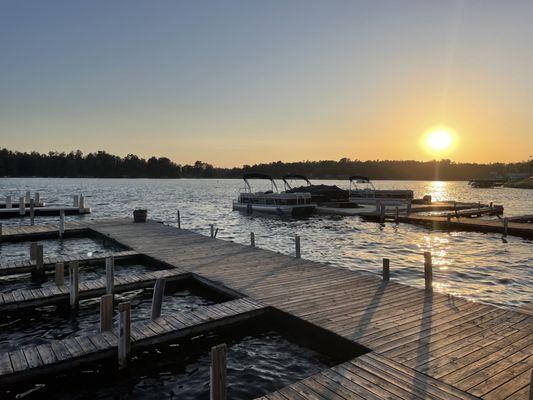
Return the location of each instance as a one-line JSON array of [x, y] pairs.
[[104, 165]]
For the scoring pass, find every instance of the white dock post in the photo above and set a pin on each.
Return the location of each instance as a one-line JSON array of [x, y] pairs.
[[59, 274], [110, 275], [157, 298], [61, 223], [106, 312], [297, 248], [22, 206], [428, 271], [37, 199], [179, 220], [218, 381], [124, 329], [81, 204], [9, 202], [32, 212], [28, 196], [505, 226], [74, 283], [386, 269], [212, 228], [252, 239], [75, 201]]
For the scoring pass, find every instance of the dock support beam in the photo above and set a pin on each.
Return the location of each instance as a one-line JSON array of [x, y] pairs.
[[59, 274], [32, 212], [22, 206], [124, 330], [74, 284], [298, 253], [428, 271], [252, 239], [106, 312], [157, 298], [218, 389], [110, 275], [179, 220], [386, 269]]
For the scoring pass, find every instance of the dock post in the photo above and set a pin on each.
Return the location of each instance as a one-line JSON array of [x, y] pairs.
[[59, 274], [397, 216], [212, 227], [106, 312], [32, 212], [218, 381], [428, 270], [28, 196], [455, 209], [0, 231], [386, 269], [110, 275], [75, 201], [61, 223], [22, 206], [124, 329], [179, 220], [37, 199], [39, 260], [157, 298], [491, 205], [81, 204], [33, 252], [9, 202], [505, 226], [252, 239], [74, 284], [297, 246], [382, 213], [409, 207]]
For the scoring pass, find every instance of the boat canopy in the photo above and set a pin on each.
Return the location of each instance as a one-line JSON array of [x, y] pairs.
[[359, 178], [294, 176], [256, 175]]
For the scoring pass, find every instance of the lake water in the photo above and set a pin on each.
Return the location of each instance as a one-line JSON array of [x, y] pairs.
[[478, 266]]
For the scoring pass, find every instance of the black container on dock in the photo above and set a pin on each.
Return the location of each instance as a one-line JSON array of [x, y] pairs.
[[140, 215]]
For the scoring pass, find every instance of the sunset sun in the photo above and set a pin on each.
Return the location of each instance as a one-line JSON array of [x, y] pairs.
[[439, 139]]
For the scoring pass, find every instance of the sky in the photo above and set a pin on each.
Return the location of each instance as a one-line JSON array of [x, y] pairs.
[[243, 82]]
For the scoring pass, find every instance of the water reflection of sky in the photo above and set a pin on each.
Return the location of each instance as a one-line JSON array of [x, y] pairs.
[[474, 265]]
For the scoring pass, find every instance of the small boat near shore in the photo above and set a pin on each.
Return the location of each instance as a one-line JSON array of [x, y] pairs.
[[293, 204]]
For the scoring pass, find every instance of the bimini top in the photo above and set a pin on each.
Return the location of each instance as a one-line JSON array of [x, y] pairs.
[[359, 178], [255, 175], [294, 176]]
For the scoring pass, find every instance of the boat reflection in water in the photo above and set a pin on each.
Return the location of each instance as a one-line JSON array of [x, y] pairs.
[[284, 204]]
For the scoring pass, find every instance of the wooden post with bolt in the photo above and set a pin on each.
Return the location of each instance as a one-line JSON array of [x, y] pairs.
[[386, 269], [106, 312], [59, 274], [74, 284], [428, 271], [218, 386], [252, 239], [110, 275], [124, 330], [32, 212], [297, 248], [22, 206]]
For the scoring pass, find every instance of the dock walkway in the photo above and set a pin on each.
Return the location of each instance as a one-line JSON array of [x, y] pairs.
[[422, 344]]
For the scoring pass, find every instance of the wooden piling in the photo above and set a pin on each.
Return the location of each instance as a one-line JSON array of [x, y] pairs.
[[212, 228], [252, 239], [59, 274], [297, 246], [75, 201], [37, 199], [32, 212], [505, 226], [0, 231], [39, 260], [179, 220], [61, 223], [28, 196], [386, 269], [124, 331], [397, 215], [9, 202], [218, 381], [22, 206], [82, 204], [110, 275], [408, 207], [33, 252], [74, 284], [106, 312], [157, 298], [382, 213], [428, 270]]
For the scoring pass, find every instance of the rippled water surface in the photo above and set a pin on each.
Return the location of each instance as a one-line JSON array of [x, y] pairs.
[[478, 266]]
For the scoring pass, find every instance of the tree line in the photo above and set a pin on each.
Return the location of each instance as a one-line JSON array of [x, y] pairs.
[[103, 165]]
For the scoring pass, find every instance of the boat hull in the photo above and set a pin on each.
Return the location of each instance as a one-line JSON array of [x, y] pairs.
[[303, 210]]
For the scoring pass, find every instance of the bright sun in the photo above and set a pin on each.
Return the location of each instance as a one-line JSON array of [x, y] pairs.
[[439, 139]]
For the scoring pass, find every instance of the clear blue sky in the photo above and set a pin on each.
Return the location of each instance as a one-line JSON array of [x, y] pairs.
[[233, 82]]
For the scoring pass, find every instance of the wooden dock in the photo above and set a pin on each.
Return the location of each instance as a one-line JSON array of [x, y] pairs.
[[422, 344], [47, 211]]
